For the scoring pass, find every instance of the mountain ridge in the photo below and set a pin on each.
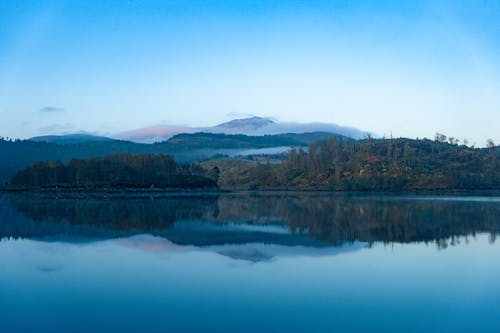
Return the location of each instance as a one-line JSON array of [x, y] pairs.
[[70, 138], [254, 122], [251, 126]]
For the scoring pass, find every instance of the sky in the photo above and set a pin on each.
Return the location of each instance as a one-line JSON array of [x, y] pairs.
[[406, 68]]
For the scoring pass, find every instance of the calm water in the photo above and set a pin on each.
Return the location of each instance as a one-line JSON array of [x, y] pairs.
[[291, 262]]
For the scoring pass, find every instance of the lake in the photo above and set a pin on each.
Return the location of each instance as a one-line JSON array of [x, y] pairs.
[[249, 262]]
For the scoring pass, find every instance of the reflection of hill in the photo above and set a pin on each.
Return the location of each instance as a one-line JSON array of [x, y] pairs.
[[139, 214], [182, 220], [336, 219], [286, 219]]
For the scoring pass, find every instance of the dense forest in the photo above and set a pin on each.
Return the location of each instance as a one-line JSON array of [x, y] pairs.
[[337, 163], [114, 171], [19, 154]]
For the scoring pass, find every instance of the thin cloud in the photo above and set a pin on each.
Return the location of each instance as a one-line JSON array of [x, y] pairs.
[[57, 128], [233, 115], [51, 109]]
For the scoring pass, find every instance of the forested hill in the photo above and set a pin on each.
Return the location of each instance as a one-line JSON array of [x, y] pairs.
[[182, 142], [19, 154], [114, 171], [373, 165]]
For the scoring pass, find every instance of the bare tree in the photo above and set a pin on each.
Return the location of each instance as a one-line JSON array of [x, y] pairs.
[[440, 137], [490, 144]]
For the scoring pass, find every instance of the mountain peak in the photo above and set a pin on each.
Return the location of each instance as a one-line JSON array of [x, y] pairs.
[[252, 122]]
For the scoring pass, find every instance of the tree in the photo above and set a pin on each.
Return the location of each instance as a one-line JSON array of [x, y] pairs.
[[440, 137], [216, 173]]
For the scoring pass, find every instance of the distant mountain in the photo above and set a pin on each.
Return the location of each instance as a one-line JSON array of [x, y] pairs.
[[153, 134], [246, 123], [253, 126], [70, 138], [263, 126]]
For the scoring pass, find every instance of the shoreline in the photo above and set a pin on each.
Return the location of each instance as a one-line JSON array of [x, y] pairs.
[[186, 192]]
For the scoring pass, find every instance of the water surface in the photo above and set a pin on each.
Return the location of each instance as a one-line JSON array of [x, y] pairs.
[[247, 262]]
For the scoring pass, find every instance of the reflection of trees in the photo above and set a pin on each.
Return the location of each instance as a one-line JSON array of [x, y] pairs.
[[143, 214], [336, 219], [333, 219]]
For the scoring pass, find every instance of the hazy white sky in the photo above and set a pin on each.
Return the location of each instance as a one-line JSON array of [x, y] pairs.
[[412, 68]]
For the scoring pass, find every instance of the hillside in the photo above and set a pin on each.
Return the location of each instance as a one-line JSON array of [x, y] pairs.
[[183, 142], [16, 155], [368, 165], [113, 171]]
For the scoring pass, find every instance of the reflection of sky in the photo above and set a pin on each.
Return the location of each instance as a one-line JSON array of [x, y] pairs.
[[111, 286], [228, 227], [456, 198]]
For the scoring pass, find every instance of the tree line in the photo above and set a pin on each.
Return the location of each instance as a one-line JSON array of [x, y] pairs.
[[114, 171]]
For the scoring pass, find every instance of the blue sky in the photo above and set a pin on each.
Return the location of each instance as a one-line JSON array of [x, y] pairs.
[[412, 68]]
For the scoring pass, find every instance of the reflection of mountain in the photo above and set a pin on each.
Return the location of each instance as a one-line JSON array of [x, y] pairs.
[[253, 252], [230, 223], [256, 252]]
